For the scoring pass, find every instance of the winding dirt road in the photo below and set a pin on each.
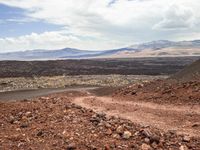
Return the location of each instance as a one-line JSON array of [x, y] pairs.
[[183, 119]]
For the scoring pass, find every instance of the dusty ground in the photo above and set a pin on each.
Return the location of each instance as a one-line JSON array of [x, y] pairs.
[[183, 119], [167, 105], [74, 120], [162, 92]]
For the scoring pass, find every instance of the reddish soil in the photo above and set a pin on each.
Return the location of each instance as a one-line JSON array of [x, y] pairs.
[[162, 92], [183, 119], [158, 115]]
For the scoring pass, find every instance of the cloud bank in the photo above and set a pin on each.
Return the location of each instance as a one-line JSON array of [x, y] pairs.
[[105, 24]]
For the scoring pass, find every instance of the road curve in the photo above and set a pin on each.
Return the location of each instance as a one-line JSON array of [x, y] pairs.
[[165, 117]]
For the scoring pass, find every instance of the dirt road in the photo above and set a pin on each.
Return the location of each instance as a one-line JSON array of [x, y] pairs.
[[29, 94], [183, 119]]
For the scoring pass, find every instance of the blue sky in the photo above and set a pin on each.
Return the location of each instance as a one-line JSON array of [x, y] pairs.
[[14, 23], [95, 24]]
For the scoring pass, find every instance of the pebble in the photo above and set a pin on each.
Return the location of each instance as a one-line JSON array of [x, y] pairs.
[[120, 130], [101, 115], [147, 133], [109, 132], [183, 147], [71, 146], [107, 125], [116, 136], [12, 119], [153, 138], [145, 147], [147, 140], [28, 114], [127, 135], [186, 138], [24, 125]]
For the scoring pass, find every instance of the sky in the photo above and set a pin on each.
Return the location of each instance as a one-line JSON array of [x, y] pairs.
[[95, 24]]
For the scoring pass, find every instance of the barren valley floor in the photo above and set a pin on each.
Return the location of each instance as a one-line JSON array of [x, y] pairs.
[[106, 112]]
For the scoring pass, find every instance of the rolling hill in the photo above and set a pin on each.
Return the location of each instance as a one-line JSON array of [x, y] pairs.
[[161, 48], [45, 54], [164, 48]]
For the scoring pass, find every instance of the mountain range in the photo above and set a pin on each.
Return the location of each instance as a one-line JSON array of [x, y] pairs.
[[159, 48]]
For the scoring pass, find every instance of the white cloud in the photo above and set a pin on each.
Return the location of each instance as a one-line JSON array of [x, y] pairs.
[[111, 23], [20, 20], [36, 41], [50, 40], [176, 17]]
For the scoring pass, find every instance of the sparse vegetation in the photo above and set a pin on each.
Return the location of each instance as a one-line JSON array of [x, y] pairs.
[[22, 83]]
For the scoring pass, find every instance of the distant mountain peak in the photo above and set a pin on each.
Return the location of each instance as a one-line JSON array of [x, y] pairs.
[[148, 49], [153, 45]]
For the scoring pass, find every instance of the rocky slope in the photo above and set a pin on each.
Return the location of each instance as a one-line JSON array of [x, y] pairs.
[[163, 92], [54, 122], [170, 90], [192, 72]]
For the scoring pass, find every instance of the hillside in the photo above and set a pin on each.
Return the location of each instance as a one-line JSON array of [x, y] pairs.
[[161, 48], [192, 72], [45, 54]]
